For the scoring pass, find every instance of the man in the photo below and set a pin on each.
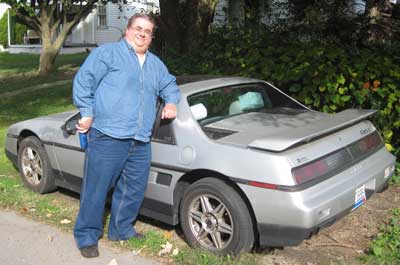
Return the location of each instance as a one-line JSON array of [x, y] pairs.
[[116, 91]]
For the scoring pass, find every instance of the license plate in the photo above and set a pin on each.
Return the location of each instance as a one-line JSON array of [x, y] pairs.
[[359, 197]]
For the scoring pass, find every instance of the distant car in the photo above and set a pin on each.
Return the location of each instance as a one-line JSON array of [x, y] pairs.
[[243, 164]]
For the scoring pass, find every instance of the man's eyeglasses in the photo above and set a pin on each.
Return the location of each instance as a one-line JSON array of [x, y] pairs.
[[146, 32]]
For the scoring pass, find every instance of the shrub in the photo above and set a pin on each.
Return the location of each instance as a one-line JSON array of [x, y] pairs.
[[385, 248], [17, 33], [325, 77], [3, 31]]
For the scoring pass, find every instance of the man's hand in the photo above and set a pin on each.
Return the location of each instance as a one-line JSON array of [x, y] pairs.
[[84, 124], [169, 111]]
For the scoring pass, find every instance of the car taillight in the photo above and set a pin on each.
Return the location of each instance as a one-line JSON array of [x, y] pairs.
[[338, 160], [310, 171], [366, 144]]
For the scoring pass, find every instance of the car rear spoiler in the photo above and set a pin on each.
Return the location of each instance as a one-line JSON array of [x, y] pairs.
[[331, 123]]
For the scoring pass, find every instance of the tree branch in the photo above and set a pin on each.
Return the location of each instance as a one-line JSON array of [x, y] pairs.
[[27, 20]]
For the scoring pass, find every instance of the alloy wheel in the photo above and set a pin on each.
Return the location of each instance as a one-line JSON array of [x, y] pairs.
[[211, 222], [32, 166]]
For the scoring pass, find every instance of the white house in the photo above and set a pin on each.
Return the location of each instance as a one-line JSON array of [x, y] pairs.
[[3, 9], [104, 24], [107, 22]]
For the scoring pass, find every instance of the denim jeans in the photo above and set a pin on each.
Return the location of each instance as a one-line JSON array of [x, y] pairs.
[[122, 164]]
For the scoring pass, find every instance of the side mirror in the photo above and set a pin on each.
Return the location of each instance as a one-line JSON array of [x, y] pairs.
[[70, 125]]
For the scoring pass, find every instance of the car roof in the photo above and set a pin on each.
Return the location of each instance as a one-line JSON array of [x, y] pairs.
[[198, 83]]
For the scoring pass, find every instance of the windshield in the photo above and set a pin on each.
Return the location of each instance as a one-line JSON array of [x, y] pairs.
[[218, 104]]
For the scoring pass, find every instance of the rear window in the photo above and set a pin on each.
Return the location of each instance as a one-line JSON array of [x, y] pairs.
[[218, 104]]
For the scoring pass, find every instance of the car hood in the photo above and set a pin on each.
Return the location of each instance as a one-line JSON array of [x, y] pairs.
[[278, 132], [58, 116]]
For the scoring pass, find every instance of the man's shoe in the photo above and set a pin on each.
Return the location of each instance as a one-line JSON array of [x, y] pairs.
[[90, 251]]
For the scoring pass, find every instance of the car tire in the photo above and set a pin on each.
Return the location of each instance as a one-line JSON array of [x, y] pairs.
[[34, 166], [214, 217]]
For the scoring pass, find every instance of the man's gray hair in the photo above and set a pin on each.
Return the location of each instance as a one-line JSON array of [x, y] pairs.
[[136, 16]]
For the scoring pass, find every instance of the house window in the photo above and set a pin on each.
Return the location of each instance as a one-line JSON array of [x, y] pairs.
[[102, 16]]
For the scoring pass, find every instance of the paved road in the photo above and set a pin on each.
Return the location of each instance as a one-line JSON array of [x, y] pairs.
[[26, 242]]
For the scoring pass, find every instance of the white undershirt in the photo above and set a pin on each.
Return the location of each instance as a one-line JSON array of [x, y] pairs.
[[142, 58]]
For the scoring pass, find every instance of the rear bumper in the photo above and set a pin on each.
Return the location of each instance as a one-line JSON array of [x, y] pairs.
[[278, 236], [286, 218]]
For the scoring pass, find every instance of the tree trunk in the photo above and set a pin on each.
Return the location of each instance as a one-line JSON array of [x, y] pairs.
[[380, 22], [236, 12], [185, 24], [47, 59], [52, 41], [168, 23], [52, 21]]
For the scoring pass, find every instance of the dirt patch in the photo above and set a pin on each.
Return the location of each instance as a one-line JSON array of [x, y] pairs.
[[346, 240]]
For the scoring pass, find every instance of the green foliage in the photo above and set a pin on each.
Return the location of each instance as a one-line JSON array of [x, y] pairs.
[[325, 77], [326, 20], [396, 178], [17, 30], [385, 248], [3, 30]]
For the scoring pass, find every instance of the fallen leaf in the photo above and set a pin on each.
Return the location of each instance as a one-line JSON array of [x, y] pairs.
[[50, 238], [112, 262], [65, 221], [137, 252], [23, 210], [167, 234], [376, 83], [166, 249], [175, 252]]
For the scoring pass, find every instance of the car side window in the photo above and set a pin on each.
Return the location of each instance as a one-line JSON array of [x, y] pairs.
[[162, 130]]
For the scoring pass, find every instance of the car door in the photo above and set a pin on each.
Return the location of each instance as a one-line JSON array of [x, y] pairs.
[[163, 176], [69, 155]]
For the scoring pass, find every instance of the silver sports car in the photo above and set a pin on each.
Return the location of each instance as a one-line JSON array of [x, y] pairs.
[[243, 164]]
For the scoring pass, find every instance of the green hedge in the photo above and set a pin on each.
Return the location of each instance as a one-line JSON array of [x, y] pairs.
[[325, 77], [3, 30], [17, 32]]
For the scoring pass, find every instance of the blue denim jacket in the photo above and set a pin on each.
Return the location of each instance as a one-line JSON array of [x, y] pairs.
[[119, 94]]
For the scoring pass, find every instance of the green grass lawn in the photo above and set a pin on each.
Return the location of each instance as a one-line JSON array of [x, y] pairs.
[[19, 70], [17, 63]]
